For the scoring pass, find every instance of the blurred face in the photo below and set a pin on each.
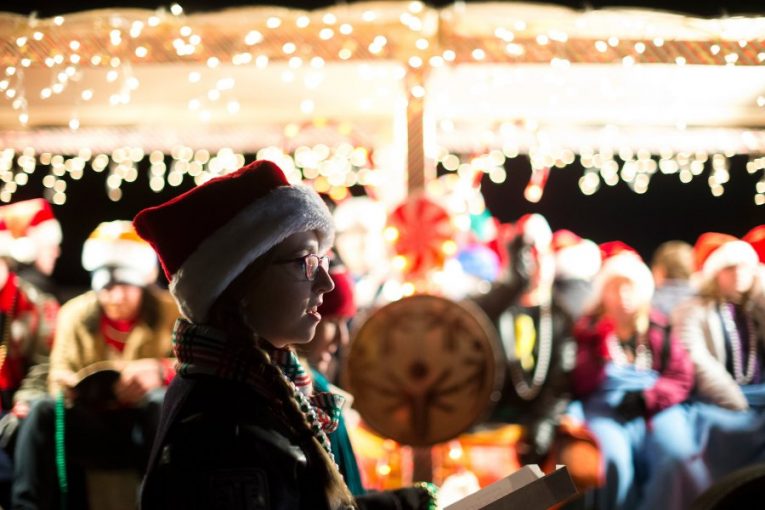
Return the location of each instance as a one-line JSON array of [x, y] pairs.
[[331, 336], [46, 258], [280, 304], [620, 299], [735, 281], [120, 302]]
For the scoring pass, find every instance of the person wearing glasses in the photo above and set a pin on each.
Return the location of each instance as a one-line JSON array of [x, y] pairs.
[[241, 427]]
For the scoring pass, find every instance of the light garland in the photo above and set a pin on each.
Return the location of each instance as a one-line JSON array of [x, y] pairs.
[[418, 37], [328, 170], [636, 169]]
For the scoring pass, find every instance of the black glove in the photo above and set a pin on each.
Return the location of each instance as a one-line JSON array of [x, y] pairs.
[[632, 405], [413, 498], [521, 261]]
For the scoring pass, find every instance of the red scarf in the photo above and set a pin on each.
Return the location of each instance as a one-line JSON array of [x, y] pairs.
[[15, 308], [115, 332]]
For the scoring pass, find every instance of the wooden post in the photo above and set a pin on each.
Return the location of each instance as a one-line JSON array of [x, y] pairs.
[[419, 171], [418, 174]]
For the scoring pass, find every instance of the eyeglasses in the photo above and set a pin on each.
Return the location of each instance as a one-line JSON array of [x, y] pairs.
[[311, 264]]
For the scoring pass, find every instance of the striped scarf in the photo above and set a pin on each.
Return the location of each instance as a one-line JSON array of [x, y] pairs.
[[203, 350]]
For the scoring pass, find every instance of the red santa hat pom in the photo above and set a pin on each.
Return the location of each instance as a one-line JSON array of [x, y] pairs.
[[339, 302], [756, 237], [575, 257], [714, 251], [621, 260], [207, 236], [113, 253], [26, 227]]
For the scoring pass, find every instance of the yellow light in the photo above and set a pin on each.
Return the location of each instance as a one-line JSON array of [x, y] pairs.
[[455, 452], [321, 184], [383, 470], [391, 234], [400, 262], [408, 289], [449, 247], [338, 193]]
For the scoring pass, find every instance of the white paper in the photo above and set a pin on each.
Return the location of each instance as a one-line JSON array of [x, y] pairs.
[[499, 489]]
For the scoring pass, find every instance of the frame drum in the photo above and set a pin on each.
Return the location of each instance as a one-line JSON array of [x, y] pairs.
[[424, 369]]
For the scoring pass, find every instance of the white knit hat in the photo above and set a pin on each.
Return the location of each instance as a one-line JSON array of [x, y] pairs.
[[621, 260], [113, 253]]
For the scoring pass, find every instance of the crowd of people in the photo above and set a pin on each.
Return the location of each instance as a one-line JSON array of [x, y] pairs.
[[222, 390]]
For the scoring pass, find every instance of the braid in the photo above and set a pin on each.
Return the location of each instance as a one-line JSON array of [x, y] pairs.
[[326, 470]]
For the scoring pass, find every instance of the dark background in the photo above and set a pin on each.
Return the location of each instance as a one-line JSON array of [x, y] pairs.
[[668, 210], [703, 8]]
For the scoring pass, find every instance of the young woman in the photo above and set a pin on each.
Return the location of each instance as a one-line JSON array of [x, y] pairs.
[[630, 373], [723, 329], [246, 257]]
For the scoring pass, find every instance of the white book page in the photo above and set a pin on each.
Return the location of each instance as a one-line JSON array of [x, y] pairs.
[[499, 489]]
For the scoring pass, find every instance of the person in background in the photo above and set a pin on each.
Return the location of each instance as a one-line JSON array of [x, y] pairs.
[[577, 261], [630, 375], [123, 320], [672, 266], [536, 341], [724, 327], [30, 239], [30, 236], [246, 257]]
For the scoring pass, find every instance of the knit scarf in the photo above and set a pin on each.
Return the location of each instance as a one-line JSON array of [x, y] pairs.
[[203, 350]]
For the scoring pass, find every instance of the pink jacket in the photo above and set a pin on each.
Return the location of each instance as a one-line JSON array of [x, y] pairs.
[[670, 359]]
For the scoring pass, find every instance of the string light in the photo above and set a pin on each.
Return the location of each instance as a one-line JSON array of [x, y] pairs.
[[425, 47]]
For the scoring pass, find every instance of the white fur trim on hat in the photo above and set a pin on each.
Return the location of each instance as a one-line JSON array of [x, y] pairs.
[[26, 249], [729, 254], [536, 230], [627, 265], [228, 251], [135, 259], [580, 261]]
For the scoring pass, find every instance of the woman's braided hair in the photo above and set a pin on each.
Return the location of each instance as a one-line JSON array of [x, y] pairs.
[[228, 314]]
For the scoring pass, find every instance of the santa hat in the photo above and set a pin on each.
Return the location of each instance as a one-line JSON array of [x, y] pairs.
[[575, 257], [340, 301], [113, 253], [621, 260], [25, 227], [714, 251], [756, 237], [207, 236]]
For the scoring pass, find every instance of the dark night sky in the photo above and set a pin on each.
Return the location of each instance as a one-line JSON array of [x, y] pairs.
[[669, 210], [703, 8]]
